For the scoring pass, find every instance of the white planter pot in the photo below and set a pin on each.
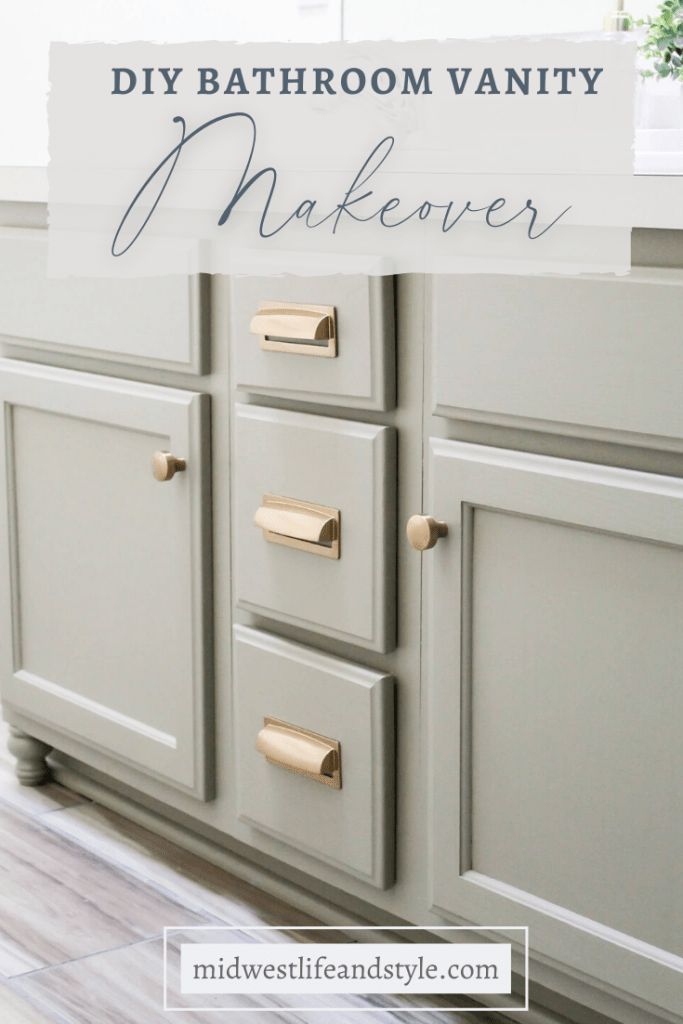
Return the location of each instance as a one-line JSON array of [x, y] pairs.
[[659, 127], [659, 104]]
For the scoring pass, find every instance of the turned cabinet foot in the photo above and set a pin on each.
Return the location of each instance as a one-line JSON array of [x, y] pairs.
[[31, 767]]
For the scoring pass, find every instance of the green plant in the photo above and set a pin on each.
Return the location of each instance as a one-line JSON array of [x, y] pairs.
[[664, 41]]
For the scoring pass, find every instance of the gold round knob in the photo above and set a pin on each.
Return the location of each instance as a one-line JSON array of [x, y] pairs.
[[165, 466], [424, 531]]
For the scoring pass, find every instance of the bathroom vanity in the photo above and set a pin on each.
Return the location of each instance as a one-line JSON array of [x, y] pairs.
[[214, 620]]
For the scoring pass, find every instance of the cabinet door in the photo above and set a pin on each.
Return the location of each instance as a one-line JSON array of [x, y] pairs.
[[554, 654], [104, 584]]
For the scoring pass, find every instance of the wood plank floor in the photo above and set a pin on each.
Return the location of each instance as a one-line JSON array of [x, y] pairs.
[[84, 897]]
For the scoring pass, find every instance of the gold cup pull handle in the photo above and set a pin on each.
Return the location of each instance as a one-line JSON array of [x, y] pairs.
[[296, 329], [301, 751], [165, 465], [299, 524]]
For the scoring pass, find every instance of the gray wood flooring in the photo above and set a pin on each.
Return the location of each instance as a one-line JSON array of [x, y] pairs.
[[84, 896]]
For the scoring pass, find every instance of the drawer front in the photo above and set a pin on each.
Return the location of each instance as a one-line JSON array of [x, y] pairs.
[[554, 659], [299, 477], [105, 569], [157, 322], [351, 364], [589, 356], [315, 753]]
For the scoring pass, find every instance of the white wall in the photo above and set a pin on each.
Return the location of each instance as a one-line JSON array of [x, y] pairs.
[[27, 26], [420, 19]]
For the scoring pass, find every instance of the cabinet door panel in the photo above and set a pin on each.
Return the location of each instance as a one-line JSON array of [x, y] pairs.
[[555, 659], [107, 566]]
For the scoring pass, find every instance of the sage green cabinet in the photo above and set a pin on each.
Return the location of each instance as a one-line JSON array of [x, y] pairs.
[[106, 620], [554, 657], [536, 652]]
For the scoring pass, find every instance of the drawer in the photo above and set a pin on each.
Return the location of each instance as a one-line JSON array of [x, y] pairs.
[[350, 363], [155, 321], [315, 523], [596, 357], [315, 753], [105, 570]]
